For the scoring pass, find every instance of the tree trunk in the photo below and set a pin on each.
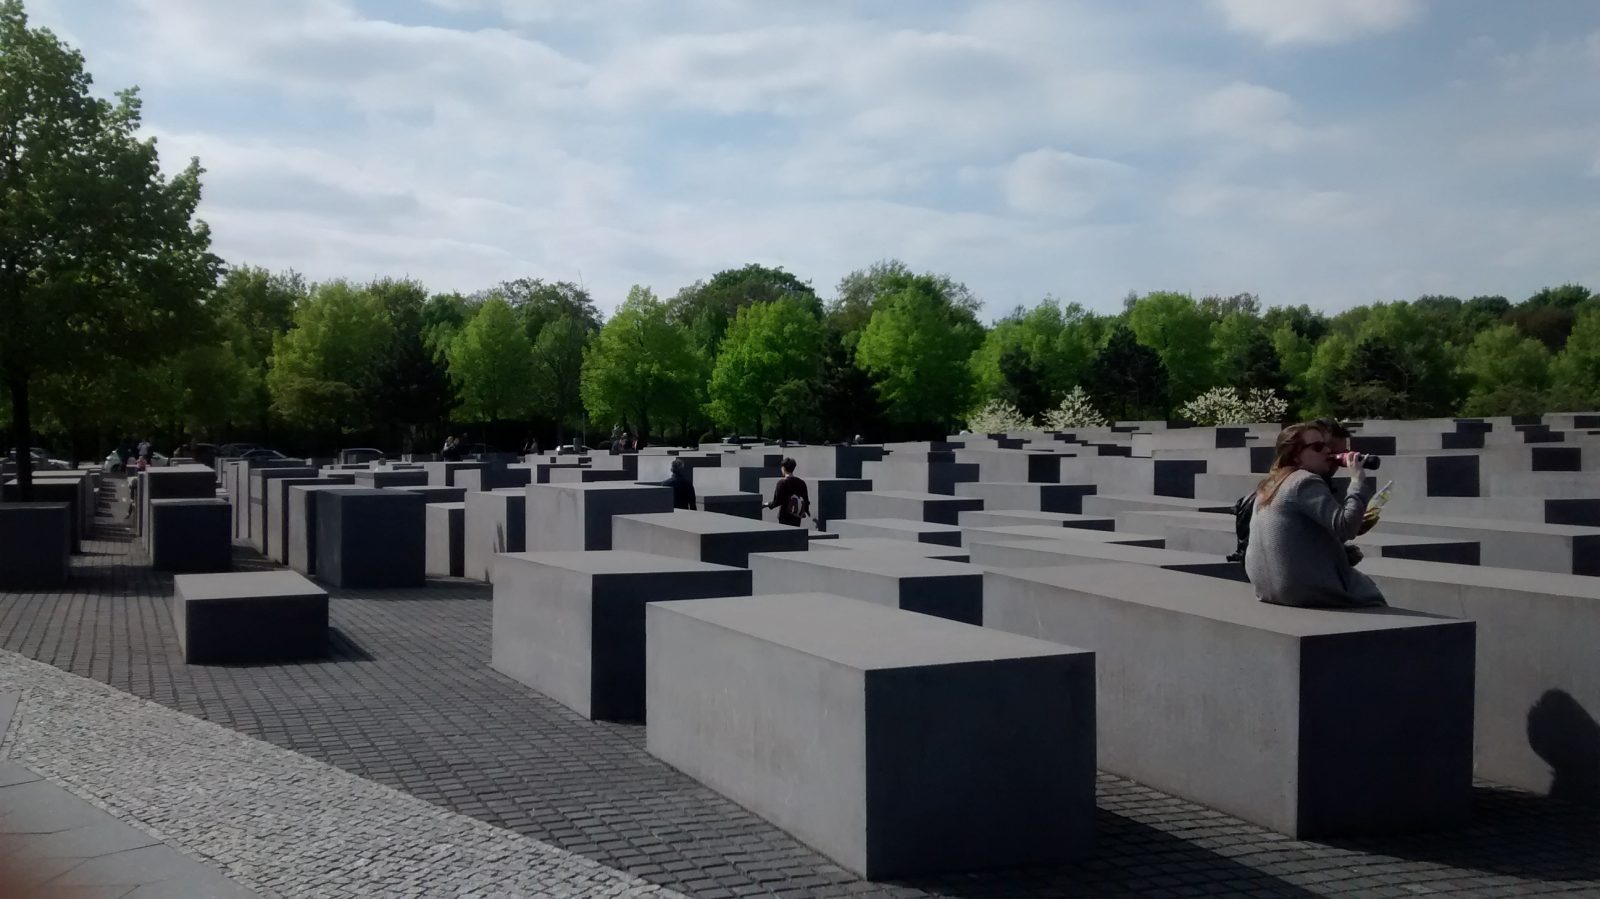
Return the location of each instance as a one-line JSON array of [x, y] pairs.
[[22, 435]]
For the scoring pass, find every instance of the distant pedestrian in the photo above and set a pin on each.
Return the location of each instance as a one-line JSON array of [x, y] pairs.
[[792, 498], [452, 449], [682, 486]]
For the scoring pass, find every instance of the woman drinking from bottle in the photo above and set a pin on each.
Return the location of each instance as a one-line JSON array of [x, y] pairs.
[[1298, 529]]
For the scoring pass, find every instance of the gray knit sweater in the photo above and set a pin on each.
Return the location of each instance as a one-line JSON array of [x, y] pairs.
[[1297, 555]]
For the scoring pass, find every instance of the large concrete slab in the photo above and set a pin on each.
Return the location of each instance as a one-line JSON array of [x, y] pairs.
[[190, 535], [248, 616], [256, 496], [928, 507], [571, 624], [578, 516], [392, 477], [1050, 532], [1314, 723], [985, 518], [704, 536], [495, 522], [896, 744], [1559, 548], [276, 536], [897, 580], [302, 524], [916, 531], [445, 538], [1055, 552], [35, 545], [370, 538], [1028, 497], [1538, 671], [882, 545]]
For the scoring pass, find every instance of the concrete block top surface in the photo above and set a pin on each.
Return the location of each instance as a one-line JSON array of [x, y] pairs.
[[597, 486], [883, 564], [189, 501], [860, 635], [925, 497], [1230, 602], [1047, 532], [244, 585], [33, 507], [1516, 579], [886, 545], [905, 524], [1495, 524], [1110, 552], [706, 522], [615, 561]]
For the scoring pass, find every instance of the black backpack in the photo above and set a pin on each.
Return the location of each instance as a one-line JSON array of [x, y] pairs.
[[1242, 510]]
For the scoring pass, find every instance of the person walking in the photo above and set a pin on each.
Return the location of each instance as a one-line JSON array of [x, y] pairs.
[[682, 486], [792, 498]]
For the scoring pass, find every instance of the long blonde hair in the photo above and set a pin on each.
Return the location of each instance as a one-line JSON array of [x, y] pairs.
[[1285, 459]]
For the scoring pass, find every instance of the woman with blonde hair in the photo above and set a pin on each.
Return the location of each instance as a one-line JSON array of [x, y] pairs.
[[1298, 529]]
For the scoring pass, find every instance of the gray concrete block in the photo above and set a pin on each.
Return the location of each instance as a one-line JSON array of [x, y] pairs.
[[391, 477], [914, 530], [494, 522], [882, 545], [563, 474], [929, 507], [443, 474], [895, 744], [744, 505], [302, 524], [571, 624], [1111, 504], [704, 536], [1050, 532], [276, 536], [897, 474], [1534, 546], [446, 535], [370, 538], [1311, 722], [256, 497], [1538, 674], [897, 580], [184, 482], [986, 518], [1028, 497], [439, 494], [1051, 553], [578, 516], [190, 535], [35, 545], [249, 616]]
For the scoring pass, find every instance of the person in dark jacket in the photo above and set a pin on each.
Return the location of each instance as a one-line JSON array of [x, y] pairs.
[[682, 486], [792, 498]]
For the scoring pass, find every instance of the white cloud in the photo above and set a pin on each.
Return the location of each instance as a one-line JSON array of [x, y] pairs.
[[1058, 183], [1250, 113], [1317, 21]]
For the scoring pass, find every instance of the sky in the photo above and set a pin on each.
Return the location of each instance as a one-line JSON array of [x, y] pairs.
[[1330, 152]]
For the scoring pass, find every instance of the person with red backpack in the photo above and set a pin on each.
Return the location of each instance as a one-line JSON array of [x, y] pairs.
[[792, 499]]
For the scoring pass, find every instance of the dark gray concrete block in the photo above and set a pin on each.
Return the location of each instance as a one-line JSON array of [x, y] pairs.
[[704, 536], [1020, 532], [249, 616], [183, 482], [302, 524], [1538, 674], [897, 580], [744, 505], [370, 538], [1311, 722], [1453, 476], [882, 545], [392, 477], [929, 507], [190, 535], [899, 529], [986, 518], [35, 545], [571, 624], [495, 522], [1535, 546], [578, 516], [439, 494], [1051, 553], [45, 491], [443, 474], [256, 497], [895, 744], [446, 530], [276, 537]]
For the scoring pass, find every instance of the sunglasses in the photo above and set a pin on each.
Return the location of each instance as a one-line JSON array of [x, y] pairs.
[[1316, 446]]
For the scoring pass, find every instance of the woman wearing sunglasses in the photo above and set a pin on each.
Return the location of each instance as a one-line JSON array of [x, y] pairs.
[[1298, 530]]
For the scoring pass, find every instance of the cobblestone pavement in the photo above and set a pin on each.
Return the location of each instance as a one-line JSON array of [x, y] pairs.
[[407, 699]]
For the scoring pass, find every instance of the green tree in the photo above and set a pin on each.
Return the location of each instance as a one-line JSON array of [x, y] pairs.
[[1550, 314], [1174, 326], [409, 389], [640, 365], [1400, 350], [321, 367], [1510, 373], [1128, 379], [769, 353], [101, 260], [491, 364], [1575, 373], [253, 308], [915, 347], [707, 308], [1246, 356]]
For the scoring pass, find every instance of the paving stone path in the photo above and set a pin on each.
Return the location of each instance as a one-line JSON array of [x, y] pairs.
[[407, 700]]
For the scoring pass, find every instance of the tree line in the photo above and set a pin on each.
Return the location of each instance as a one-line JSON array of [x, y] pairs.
[[117, 320]]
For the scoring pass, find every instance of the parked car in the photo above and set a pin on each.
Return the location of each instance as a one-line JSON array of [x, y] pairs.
[[41, 460], [235, 449], [361, 454], [261, 453]]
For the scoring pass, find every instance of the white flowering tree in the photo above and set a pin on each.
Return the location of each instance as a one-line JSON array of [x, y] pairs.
[[1076, 411], [1225, 406], [998, 417]]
